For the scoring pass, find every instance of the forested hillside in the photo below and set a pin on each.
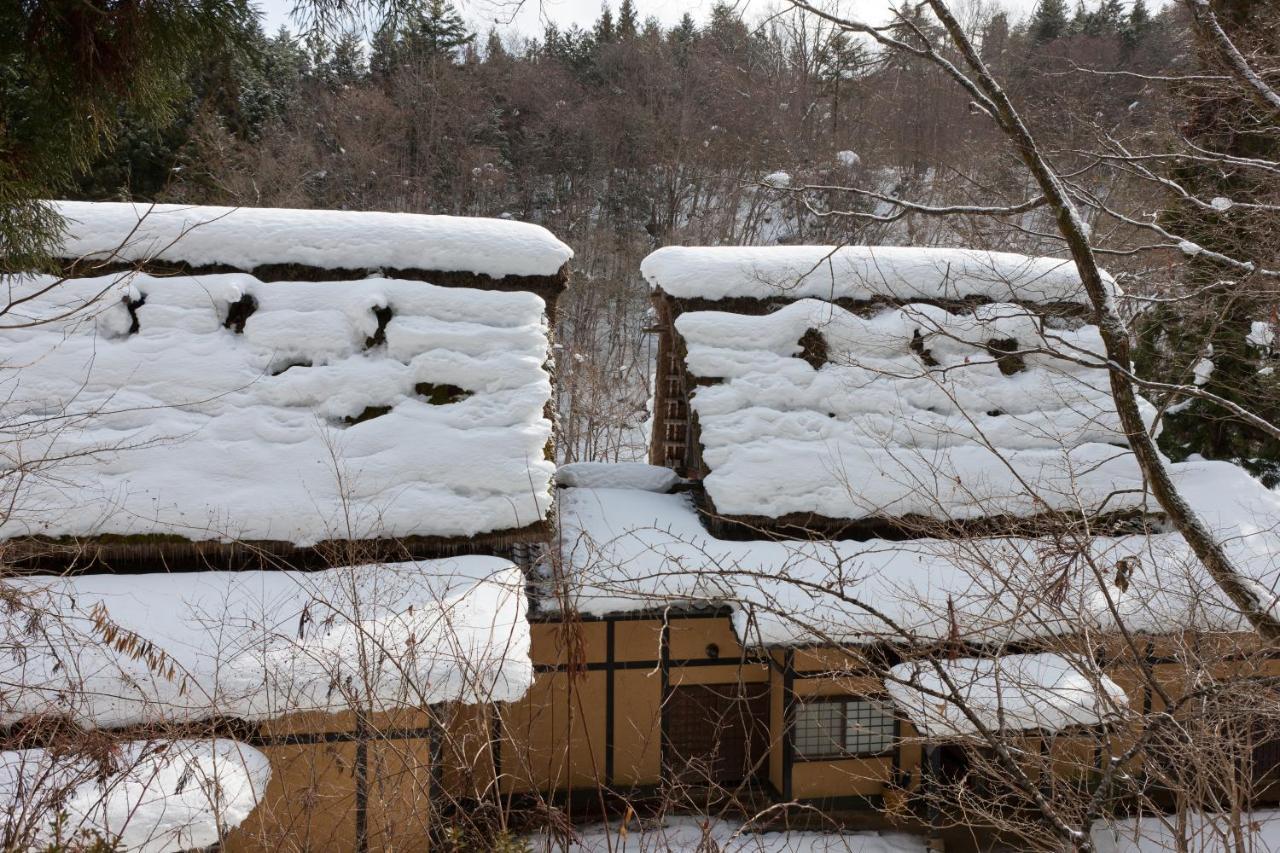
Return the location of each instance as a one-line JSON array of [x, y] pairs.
[[630, 136]]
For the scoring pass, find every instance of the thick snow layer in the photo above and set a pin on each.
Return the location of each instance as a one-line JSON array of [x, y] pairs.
[[616, 475], [860, 272], [158, 796], [624, 550], [1010, 693], [257, 645], [248, 237], [185, 427], [1191, 832], [912, 414], [695, 835]]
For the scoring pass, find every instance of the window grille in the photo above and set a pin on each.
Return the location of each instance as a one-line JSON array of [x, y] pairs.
[[838, 728]]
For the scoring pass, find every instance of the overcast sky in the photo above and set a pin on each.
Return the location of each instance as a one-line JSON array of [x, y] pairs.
[[530, 16]]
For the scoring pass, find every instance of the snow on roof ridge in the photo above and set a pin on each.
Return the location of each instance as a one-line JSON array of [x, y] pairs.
[[174, 795], [861, 273], [245, 238]]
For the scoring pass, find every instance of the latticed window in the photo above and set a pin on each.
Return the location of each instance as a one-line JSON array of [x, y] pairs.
[[836, 728]]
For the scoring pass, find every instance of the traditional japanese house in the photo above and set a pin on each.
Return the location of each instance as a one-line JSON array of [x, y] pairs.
[[268, 478], [860, 454]]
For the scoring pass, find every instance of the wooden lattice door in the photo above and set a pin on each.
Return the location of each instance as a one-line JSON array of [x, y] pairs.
[[717, 733]]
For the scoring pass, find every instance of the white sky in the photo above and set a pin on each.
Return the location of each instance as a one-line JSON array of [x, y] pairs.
[[530, 16]]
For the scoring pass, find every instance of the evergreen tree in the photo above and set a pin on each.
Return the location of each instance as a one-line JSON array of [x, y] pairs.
[[605, 32], [1172, 337], [429, 32], [682, 37], [494, 49], [1138, 24], [1049, 21], [628, 22], [1104, 21], [1079, 21], [347, 65], [72, 73], [436, 31]]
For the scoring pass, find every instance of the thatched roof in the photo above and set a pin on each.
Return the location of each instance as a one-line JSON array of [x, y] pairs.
[[167, 417], [868, 406]]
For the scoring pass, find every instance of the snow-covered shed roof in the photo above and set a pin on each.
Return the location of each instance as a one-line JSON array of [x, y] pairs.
[[616, 475], [1049, 692], [247, 238], [121, 650], [860, 273], [162, 796], [910, 411], [221, 407], [628, 550]]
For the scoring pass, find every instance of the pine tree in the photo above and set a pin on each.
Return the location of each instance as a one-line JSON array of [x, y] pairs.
[[346, 64], [682, 37], [436, 31], [1079, 21], [1138, 24], [604, 32], [494, 49], [72, 74], [1049, 21], [1174, 336], [628, 22]]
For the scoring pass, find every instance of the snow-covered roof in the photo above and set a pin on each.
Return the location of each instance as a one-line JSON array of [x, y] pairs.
[[911, 411], [115, 650], [1010, 693], [616, 475], [860, 273], [626, 550], [353, 410], [161, 796], [244, 238]]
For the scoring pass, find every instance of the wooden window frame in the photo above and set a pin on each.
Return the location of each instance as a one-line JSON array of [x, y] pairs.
[[844, 754]]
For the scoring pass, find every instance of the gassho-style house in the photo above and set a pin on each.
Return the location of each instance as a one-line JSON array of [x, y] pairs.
[[283, 490]]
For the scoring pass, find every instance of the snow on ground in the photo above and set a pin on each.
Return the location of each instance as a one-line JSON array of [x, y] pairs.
[[246, 237], [162, 795], [1009, 693], [1191, 832], [616, 475], [255, 645], [182, 426], [702, 835], [860, 272], [626, 550], [904, 395]]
